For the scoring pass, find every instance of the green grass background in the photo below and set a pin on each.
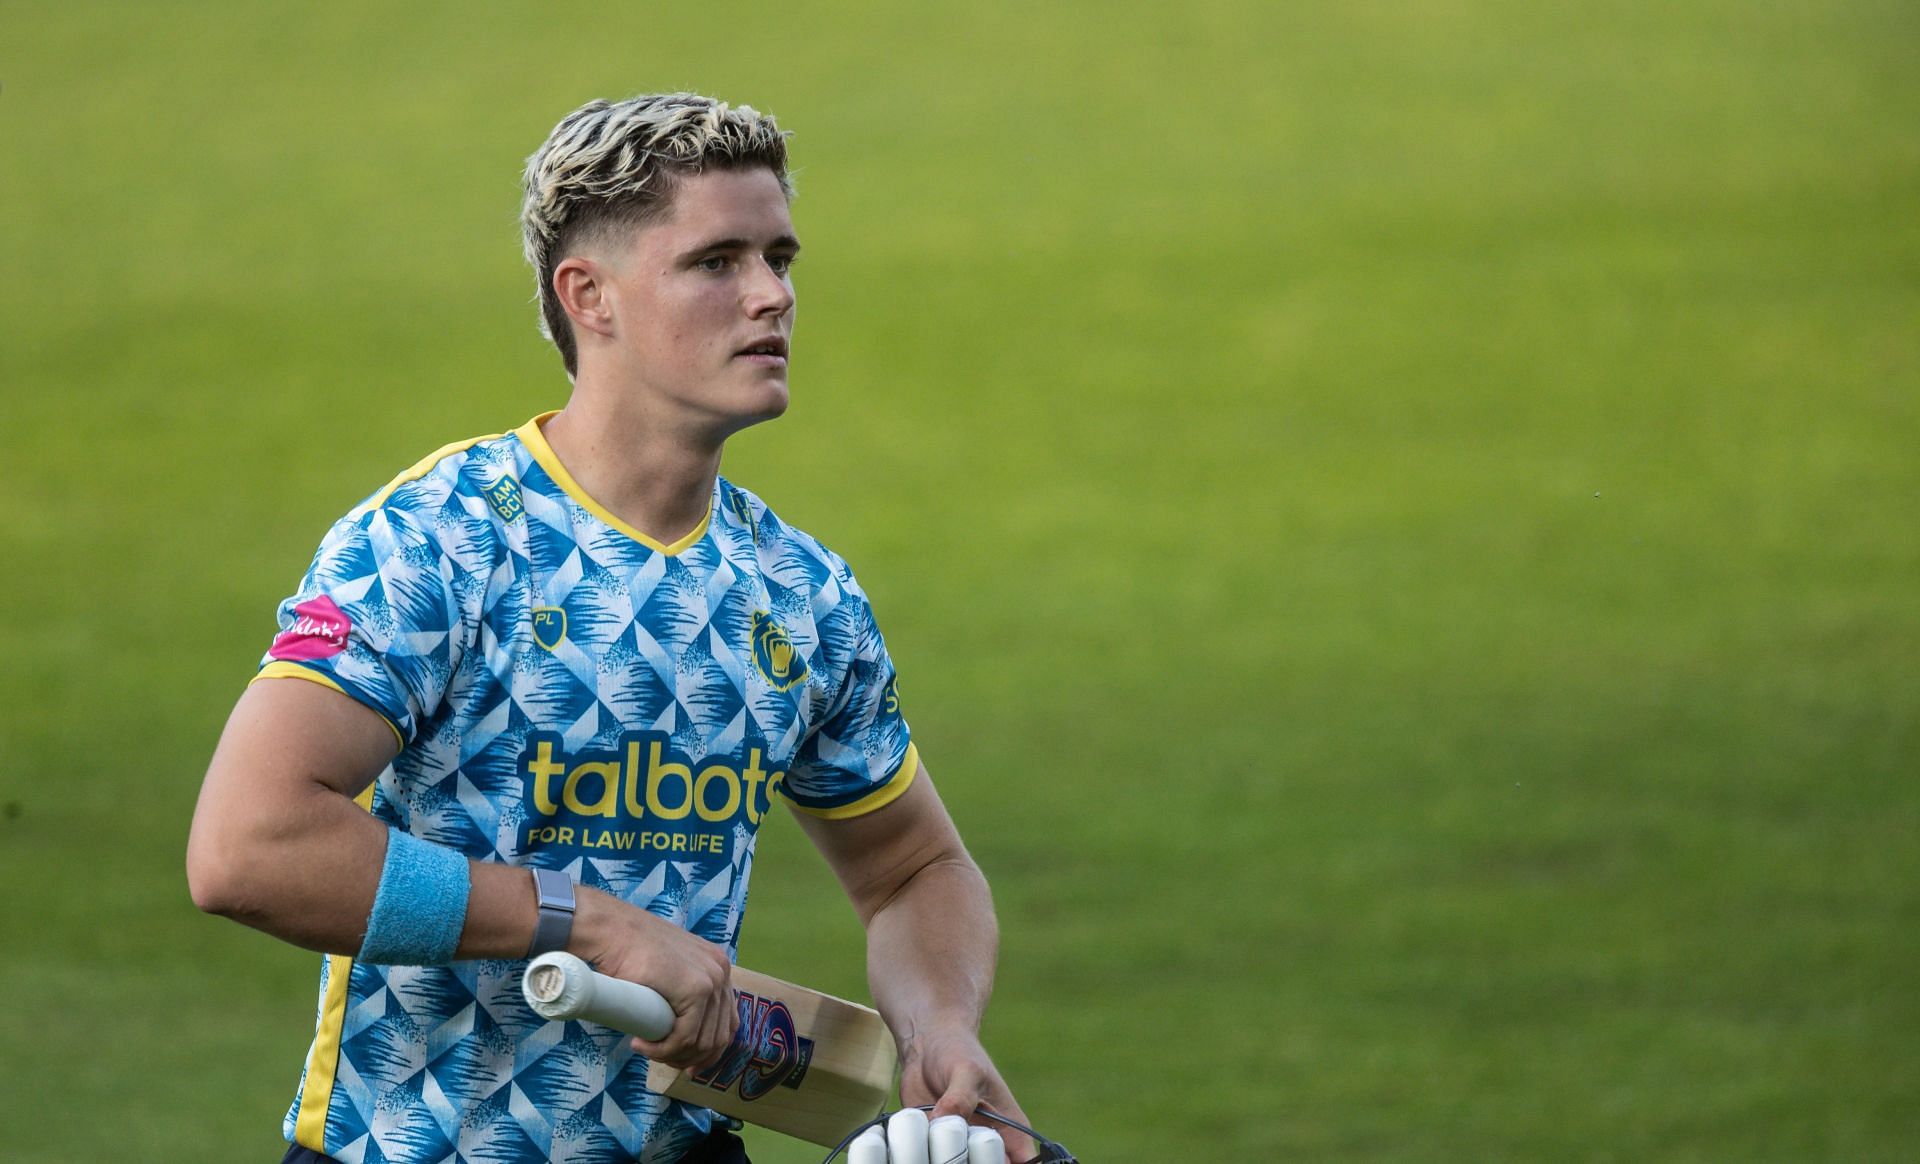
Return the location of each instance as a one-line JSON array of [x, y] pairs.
[[1398, 523]]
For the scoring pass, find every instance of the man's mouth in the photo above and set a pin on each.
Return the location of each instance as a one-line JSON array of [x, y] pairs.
[[770, 349]]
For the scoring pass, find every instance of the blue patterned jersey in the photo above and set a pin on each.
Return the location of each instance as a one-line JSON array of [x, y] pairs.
[[569, 694]]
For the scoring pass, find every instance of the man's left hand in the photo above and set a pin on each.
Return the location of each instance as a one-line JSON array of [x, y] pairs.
[[951, 1071]]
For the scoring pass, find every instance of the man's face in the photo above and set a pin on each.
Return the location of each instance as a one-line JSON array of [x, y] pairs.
[[702, 301]]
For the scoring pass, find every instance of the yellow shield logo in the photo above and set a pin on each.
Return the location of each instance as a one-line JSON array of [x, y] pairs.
[[504, 496], [773, 654], [549, 626]]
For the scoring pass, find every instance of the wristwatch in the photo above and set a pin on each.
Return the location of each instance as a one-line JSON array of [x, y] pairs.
[[555, 892]]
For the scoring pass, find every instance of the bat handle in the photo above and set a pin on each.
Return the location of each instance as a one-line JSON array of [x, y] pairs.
[[559, 986]]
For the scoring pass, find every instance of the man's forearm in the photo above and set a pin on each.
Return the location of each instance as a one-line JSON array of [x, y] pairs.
[[313, 884], [932, 944], [279, 844], [931, 951]]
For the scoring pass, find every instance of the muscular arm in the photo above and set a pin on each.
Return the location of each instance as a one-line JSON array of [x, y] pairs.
[[932, 943], [279, 844]]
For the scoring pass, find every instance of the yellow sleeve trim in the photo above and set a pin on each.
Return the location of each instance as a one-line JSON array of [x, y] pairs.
[[284, 670], [880, 797], [543, 454], [425, 465]]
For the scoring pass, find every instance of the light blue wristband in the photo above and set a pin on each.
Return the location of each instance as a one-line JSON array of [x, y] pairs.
[[421, 904]]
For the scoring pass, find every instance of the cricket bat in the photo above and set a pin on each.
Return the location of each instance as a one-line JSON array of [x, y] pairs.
[[802, 1063]]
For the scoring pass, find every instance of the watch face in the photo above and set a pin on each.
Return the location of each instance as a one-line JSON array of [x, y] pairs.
[[554, 889]]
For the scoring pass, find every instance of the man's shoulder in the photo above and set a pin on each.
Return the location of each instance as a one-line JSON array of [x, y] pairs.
[[775, 538], [461, 493], [455, 467]]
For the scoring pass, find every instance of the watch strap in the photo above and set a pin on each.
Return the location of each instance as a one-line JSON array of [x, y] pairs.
[[554, 891]]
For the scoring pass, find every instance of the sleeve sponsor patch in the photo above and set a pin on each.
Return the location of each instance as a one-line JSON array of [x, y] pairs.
[[319, 631]]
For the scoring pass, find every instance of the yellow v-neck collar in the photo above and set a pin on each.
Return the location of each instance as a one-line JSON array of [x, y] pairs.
[[543, 454]]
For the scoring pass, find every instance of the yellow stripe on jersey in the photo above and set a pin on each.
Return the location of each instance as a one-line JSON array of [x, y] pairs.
[[880, 797], [536, 442], [284, 670], [425, 465], [323, 1058]]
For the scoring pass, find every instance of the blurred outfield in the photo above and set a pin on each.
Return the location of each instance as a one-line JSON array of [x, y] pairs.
[[1400, 525]]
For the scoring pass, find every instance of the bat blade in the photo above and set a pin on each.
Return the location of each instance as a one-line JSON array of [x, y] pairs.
[[806, 1064], [803, 1063]]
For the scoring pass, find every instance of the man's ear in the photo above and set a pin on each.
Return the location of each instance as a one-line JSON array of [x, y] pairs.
[[580, 285]]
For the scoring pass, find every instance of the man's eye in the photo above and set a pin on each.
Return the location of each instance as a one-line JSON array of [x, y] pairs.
[[781, 264], [712, 263]]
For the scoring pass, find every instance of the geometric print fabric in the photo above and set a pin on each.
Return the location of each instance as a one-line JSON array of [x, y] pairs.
[[568, 694]]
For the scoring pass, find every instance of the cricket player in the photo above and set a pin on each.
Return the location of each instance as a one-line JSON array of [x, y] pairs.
[[541, 690]]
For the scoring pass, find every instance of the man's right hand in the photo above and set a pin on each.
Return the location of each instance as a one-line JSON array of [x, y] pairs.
[[691, 973]]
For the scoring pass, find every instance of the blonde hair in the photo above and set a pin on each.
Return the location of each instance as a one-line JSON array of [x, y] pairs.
[[613, 164]]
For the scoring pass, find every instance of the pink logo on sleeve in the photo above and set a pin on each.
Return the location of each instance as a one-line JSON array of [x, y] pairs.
[[319, 631]]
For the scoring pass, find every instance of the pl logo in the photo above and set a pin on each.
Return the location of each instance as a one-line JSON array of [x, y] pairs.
[[549, 626]]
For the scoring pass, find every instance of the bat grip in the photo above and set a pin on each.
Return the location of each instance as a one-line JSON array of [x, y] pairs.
[[559, 986]]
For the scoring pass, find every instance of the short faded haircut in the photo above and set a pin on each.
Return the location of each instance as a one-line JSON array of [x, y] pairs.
[[615, 164]]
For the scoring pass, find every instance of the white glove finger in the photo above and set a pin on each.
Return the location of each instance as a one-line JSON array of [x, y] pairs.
[[947, 1140], [869, 1147], [984, 1146], [907, 1136]]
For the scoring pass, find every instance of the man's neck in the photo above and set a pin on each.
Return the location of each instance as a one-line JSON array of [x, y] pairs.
[[656, 480]]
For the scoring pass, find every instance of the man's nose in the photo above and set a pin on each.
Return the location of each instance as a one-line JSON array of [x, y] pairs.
[[768, 293]]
